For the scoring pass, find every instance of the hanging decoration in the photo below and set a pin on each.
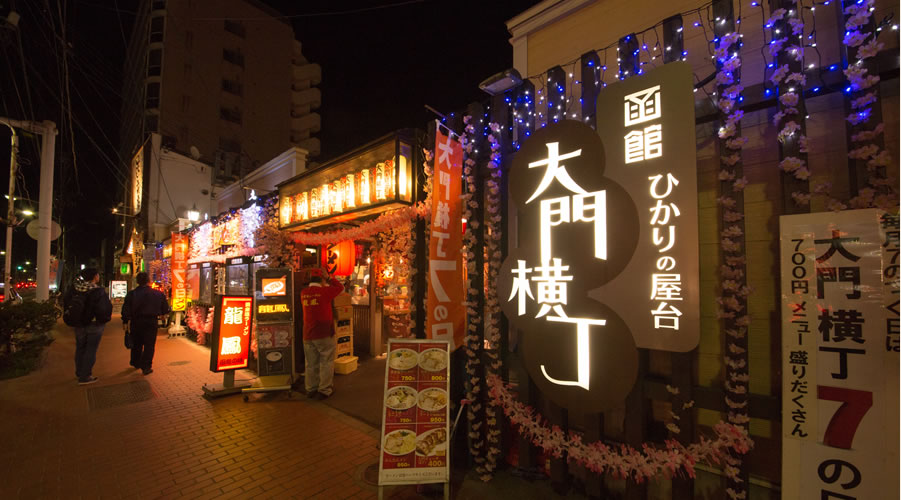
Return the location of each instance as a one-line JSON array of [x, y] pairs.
[[733, 304], [472, 341], [410, 251], [493, 257], [387, 221], [200, 319], [882, 191], [790, 103], [623, 461]]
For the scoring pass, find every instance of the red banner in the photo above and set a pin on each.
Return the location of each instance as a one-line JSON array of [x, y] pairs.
[[179, 266], [446, 314], [231, 336]]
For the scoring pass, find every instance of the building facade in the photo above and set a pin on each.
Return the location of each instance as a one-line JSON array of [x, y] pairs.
[[227, 85]]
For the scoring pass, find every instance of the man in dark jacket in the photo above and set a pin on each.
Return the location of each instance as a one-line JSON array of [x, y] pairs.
[[97, 312], [142, 307]]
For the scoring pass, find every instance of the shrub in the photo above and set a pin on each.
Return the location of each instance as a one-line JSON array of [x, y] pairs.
[[24, 333]]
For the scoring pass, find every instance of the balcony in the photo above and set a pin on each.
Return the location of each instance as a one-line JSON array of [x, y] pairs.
[[307, 75], [311, 122], [310, 98]]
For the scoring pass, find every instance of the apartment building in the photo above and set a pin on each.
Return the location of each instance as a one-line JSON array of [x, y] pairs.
[[224, 82]]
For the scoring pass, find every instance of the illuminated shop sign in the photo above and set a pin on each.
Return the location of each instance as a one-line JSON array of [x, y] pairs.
[[349, 192], [274, 300], [607, 256], [231, 333], [137, 181]]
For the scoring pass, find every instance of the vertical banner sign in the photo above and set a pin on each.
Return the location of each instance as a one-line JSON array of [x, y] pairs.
[[231, 333], [606, 256], [416, 416], [446, 314], [179, 266], [839, 371]]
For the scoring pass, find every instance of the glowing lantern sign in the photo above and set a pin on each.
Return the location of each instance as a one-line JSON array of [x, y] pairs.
[[583, 309], [339, 259]]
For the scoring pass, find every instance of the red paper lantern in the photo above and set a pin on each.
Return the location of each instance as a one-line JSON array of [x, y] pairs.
[[339, 259]]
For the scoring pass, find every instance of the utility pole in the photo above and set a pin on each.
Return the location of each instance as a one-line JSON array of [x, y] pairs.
[[47, 130], [10, 215]]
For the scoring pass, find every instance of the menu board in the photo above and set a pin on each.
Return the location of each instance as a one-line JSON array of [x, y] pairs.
[[415, 435]]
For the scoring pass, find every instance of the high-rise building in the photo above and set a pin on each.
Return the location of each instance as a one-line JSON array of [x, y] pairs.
[[223, 82]]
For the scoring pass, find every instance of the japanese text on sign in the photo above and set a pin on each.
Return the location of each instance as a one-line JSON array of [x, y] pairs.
[[839, 381], [444, 307]]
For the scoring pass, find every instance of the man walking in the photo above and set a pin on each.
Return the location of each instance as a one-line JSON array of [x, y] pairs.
[[140, 312], [88, 310], [319, 335]]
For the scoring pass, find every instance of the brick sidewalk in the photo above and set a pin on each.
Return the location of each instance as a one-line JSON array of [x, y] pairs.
[[177, 444]]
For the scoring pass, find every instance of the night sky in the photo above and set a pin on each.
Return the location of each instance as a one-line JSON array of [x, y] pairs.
[[381, 63]]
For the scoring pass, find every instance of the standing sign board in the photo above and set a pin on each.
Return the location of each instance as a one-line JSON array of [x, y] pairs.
[[117, 292], [445, 311], [416, 420], [274, 314], [118, 289], [231, 333], [606, 260], [840, 368]]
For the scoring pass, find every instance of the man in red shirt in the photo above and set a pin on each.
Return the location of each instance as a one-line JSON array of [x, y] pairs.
[[319, 334]]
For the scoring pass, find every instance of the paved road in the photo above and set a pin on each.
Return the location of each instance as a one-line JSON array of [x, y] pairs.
[[176, 444]]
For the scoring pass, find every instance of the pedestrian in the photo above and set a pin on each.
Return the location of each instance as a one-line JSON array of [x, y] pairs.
[[140, 314], [319, 334], [88, 310]]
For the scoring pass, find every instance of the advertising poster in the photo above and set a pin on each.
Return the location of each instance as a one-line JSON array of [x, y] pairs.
[[118, 289], [179, 265], [445, 311], [839, 371], [416, 420], [231, 333]]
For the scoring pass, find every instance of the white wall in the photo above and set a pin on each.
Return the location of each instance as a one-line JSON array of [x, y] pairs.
[[177, 184], [264, 179]]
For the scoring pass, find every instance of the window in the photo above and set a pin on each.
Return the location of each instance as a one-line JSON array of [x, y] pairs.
[[189, 40], [230, 114], [156, 29], [233, 56], [151, 123], [189, 71], [232, 87], [153, 95], [155, 62], [229, 145], [158, 5], [185, 103], [234, 28]]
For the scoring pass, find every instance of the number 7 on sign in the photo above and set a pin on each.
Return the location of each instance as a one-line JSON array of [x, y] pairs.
[[846, 419]]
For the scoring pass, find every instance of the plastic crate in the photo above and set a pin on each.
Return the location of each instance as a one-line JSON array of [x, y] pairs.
[[346, 365]]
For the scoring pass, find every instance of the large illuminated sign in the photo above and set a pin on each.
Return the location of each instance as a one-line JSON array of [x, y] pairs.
[[231, 333], [344, 192], [606, 248]]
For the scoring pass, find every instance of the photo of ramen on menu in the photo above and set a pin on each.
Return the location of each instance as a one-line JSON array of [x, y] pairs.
[[415, 423]]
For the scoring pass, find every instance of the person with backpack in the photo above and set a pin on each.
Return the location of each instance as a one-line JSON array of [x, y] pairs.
[[140, 311], [86, 308]]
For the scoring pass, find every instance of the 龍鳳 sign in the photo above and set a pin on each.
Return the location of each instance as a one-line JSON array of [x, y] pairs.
[[231, 334]]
